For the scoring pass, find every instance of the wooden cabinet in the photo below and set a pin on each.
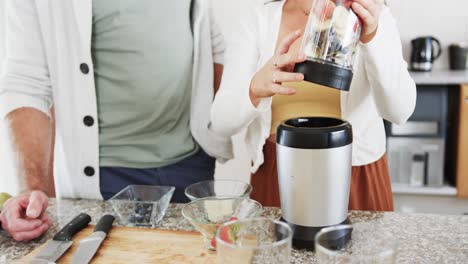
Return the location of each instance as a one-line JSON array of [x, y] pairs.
[[462, 162]]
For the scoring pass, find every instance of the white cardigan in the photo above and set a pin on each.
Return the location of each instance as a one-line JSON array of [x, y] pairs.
[[47, 41], [381, 88]]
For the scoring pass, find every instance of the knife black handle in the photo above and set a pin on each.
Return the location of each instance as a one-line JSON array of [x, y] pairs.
[[105, 224], [75, 226]]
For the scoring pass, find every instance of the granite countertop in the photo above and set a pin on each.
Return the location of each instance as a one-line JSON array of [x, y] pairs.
[[441, 76], [423, 238]]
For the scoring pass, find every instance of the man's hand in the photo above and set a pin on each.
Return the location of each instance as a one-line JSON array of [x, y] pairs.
[[24, 217]]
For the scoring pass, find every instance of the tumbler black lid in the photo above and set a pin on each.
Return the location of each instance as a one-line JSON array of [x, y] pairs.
[[314, 133], [325, 74]]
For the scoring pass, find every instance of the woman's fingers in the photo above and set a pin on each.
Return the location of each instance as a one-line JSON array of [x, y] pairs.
[[279, 77], [266, 82], [284, 45], [363, 13], [370, 5], [279, 89], [369, 13], [289, 59]]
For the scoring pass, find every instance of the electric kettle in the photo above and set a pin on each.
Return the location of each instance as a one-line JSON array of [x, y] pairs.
[[425, 50]]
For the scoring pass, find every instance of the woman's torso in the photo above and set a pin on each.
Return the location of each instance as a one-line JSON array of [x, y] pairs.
[[356, 106], [310, 99]]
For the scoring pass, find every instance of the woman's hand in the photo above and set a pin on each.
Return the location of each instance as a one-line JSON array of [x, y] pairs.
[[267, 81], [369, 12]]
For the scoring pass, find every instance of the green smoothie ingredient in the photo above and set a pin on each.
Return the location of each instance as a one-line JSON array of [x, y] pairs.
[[3, 198]]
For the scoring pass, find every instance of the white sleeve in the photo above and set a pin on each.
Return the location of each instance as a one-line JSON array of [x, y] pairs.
[[25, 80], [232, 109], [217, 39], [393, 89]]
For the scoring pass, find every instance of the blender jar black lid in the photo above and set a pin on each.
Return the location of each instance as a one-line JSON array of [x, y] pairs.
[[326, 74], [314, 133]]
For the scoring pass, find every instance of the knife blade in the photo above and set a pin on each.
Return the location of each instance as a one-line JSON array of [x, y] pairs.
[[55, 248], [90, 245]]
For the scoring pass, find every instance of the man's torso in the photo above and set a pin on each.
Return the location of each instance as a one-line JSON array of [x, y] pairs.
[[142, 53]]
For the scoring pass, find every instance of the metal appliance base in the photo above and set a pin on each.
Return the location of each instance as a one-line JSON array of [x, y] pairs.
[[338, 241]]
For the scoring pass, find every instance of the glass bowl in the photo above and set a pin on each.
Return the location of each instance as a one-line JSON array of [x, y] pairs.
[[207, 214], [254, 241], [331, 248], [228, 188], [140, 205]]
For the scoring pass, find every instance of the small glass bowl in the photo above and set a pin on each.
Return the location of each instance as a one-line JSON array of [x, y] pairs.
[[330, 246], [227, 188], [207, 214], [141, 205], [254, 241]]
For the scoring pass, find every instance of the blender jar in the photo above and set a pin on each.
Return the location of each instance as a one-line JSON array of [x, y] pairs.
[[330, 43]]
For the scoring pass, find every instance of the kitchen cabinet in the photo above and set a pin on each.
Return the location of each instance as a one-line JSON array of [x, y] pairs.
[[462, 152], [450, 198]]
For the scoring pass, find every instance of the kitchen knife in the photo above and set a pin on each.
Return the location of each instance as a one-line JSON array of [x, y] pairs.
[[55, 248], [89, 246]]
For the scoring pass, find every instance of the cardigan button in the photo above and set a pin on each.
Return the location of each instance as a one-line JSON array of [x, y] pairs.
[[89, 171], [88, 121], [84, 68]]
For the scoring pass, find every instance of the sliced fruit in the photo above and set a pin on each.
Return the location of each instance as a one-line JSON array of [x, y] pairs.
[[3, 198], [227, 233], [319, 25], [223, 234], [340, 20], [213, 242]]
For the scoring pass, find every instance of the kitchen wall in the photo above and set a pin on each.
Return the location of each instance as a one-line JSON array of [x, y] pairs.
[[446, 20], [2, 30]]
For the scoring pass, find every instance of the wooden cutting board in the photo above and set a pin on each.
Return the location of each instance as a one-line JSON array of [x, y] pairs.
[[138, 245]]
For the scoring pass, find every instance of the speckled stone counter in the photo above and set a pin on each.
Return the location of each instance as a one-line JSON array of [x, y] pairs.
[[422, 238]]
